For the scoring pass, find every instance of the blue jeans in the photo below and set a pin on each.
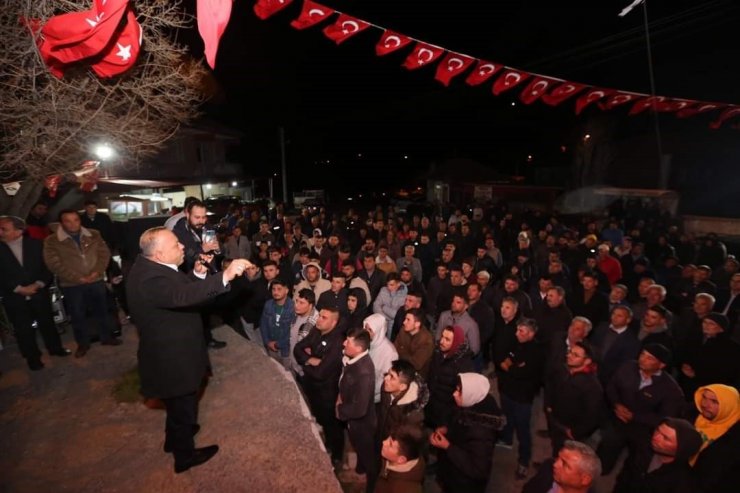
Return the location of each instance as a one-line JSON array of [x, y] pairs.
[[81, 298], [518, 417]]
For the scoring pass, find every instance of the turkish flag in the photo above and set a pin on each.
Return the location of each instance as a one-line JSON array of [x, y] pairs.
[[71, 37], [482, 72], [213, 17], [123, 50], [618, 99], [562, 92], [451, 66], [536, 89], [423, 54], [51, 183], [591, 96], [391, 41], [88, 181], [266, 8], [699, 108], [731, 112], [656, 103], [312, 14], [509, 79], [345, 28]]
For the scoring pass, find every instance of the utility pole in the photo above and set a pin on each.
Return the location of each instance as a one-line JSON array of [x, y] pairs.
[[284, 165]]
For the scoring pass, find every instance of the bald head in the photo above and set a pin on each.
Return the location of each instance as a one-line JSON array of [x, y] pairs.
[[161, 245]]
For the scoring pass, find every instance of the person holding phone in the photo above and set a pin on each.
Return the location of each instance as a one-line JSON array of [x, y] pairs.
[[200, 247]]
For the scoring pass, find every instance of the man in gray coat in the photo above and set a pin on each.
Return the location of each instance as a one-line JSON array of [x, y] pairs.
[[173, 358]]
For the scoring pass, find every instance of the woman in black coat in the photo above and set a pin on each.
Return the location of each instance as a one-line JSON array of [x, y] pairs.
[[450, 358], [465, 447]]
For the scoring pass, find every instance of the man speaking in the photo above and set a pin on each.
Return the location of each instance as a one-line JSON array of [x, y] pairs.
[[173, 358]]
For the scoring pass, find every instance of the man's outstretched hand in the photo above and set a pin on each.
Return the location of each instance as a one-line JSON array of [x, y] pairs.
[[236, 268]]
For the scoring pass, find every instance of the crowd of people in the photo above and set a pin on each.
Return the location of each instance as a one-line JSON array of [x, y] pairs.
[[401, 330]]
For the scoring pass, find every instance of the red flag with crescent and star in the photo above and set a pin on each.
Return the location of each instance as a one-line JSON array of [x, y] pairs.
[[562, 92], [591, 96], [452, 65], [213, 17], [51, 183], [699, 108], [730, 112], [267, 8], [482, 72], [75, 36], [344, 28], [618, 99], [311, 14], [123, 52], [655, 103], [508, 80], [391, 41], [536, 89], [423, 54]]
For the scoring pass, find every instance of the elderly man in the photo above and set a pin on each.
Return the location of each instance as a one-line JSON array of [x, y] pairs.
[[641, 393], [24, 292], [716, 466], [173, 359], [78, 257], [574, 470]]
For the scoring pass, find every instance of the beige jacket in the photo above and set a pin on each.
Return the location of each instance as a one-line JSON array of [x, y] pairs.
[[70, 262]]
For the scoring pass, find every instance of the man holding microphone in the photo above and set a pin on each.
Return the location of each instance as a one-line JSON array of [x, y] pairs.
[[173, 359]]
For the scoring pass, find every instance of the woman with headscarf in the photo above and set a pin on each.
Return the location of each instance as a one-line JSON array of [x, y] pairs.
[[451, 357], [465, 447], [717, 464]]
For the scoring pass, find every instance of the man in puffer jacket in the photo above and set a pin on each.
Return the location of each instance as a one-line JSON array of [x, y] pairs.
[[402, 400], [382, 351], [391, 297], [465, 447]]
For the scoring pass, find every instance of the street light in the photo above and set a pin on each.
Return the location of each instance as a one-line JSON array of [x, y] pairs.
[[104, 151]]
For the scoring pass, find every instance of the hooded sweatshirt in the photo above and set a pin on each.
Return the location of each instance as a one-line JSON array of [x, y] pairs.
[[319, 287], [728, 415], [382, 350]]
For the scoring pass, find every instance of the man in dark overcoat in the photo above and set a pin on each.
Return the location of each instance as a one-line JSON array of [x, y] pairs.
[[173, 359], [24, 289]]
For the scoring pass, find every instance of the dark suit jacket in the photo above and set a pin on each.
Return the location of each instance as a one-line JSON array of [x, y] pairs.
[[165, 308], [14, 274], [626, 347]]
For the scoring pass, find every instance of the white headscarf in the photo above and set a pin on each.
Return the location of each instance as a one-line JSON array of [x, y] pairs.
[[475, 388]]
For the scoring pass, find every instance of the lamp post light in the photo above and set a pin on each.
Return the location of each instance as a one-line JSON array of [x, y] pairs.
[[104, 151]]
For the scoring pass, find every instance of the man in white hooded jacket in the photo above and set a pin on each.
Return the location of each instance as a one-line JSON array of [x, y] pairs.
[[382, 351]]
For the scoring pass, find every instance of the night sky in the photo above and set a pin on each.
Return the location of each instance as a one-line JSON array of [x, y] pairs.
[[337, 102]]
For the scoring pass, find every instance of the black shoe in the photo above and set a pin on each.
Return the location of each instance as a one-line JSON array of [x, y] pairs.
[[214, 344], [168, 448], [112, 342], [200, 456], [61, 352], [35, 365]]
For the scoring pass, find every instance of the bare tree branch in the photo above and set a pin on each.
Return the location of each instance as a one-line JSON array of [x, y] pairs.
[[50, 126]]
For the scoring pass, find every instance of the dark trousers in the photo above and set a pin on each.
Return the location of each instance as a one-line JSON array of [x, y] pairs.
[[323, 411], [23, 313], [79, 300], [182, 416], [362, 439], [518, 417]]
